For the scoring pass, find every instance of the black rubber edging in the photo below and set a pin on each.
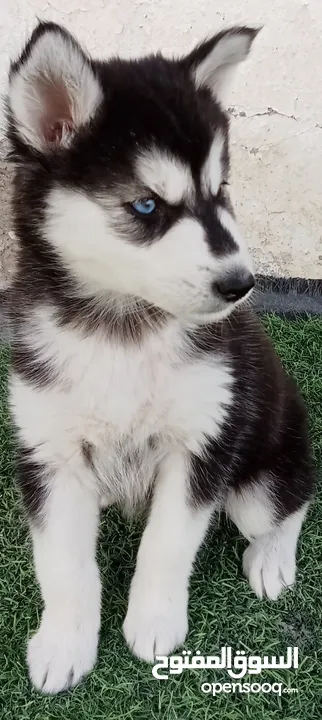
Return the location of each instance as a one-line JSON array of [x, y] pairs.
[[4, 325], [288, 297]]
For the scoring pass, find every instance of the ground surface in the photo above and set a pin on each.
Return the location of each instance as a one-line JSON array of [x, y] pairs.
[[223, 610]]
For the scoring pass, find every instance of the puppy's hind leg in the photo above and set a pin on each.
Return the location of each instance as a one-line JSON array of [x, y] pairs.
[[269, 561]]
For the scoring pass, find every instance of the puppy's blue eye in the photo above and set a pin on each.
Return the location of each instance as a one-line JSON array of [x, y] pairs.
[[144, 207]]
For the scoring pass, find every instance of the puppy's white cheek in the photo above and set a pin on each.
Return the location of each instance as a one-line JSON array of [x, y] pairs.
[[178, 267]]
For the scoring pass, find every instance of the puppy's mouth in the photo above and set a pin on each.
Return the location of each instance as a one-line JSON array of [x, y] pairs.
[[223, 312]]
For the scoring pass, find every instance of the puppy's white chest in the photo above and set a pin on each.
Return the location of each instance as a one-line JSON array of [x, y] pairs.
[[126, 405], [128, 395], [123, 392]]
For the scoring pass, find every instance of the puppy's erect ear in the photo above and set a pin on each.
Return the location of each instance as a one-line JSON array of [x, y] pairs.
[[53, 89], [213, 61]]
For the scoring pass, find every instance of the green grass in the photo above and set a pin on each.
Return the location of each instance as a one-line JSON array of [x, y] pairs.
[[222, 609]]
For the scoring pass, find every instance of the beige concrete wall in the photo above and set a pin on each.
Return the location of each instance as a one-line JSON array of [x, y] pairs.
[[275, 104]]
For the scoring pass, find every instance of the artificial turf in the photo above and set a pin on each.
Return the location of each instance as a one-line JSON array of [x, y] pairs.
[[222, 610]]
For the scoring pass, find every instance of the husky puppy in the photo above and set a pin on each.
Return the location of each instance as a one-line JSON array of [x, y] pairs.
[[138, 374]]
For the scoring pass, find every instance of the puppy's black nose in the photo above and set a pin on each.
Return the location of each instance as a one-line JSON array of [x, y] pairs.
[[235, 286]]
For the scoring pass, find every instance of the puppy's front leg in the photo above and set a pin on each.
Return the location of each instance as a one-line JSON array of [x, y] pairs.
[[64, 540], [157, 618]]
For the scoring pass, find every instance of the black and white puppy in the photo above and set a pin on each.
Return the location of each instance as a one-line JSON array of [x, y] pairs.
[[128, 381]]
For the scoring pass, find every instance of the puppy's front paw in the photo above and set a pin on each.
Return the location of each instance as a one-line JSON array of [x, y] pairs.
[[62, 651], [157, 620]]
